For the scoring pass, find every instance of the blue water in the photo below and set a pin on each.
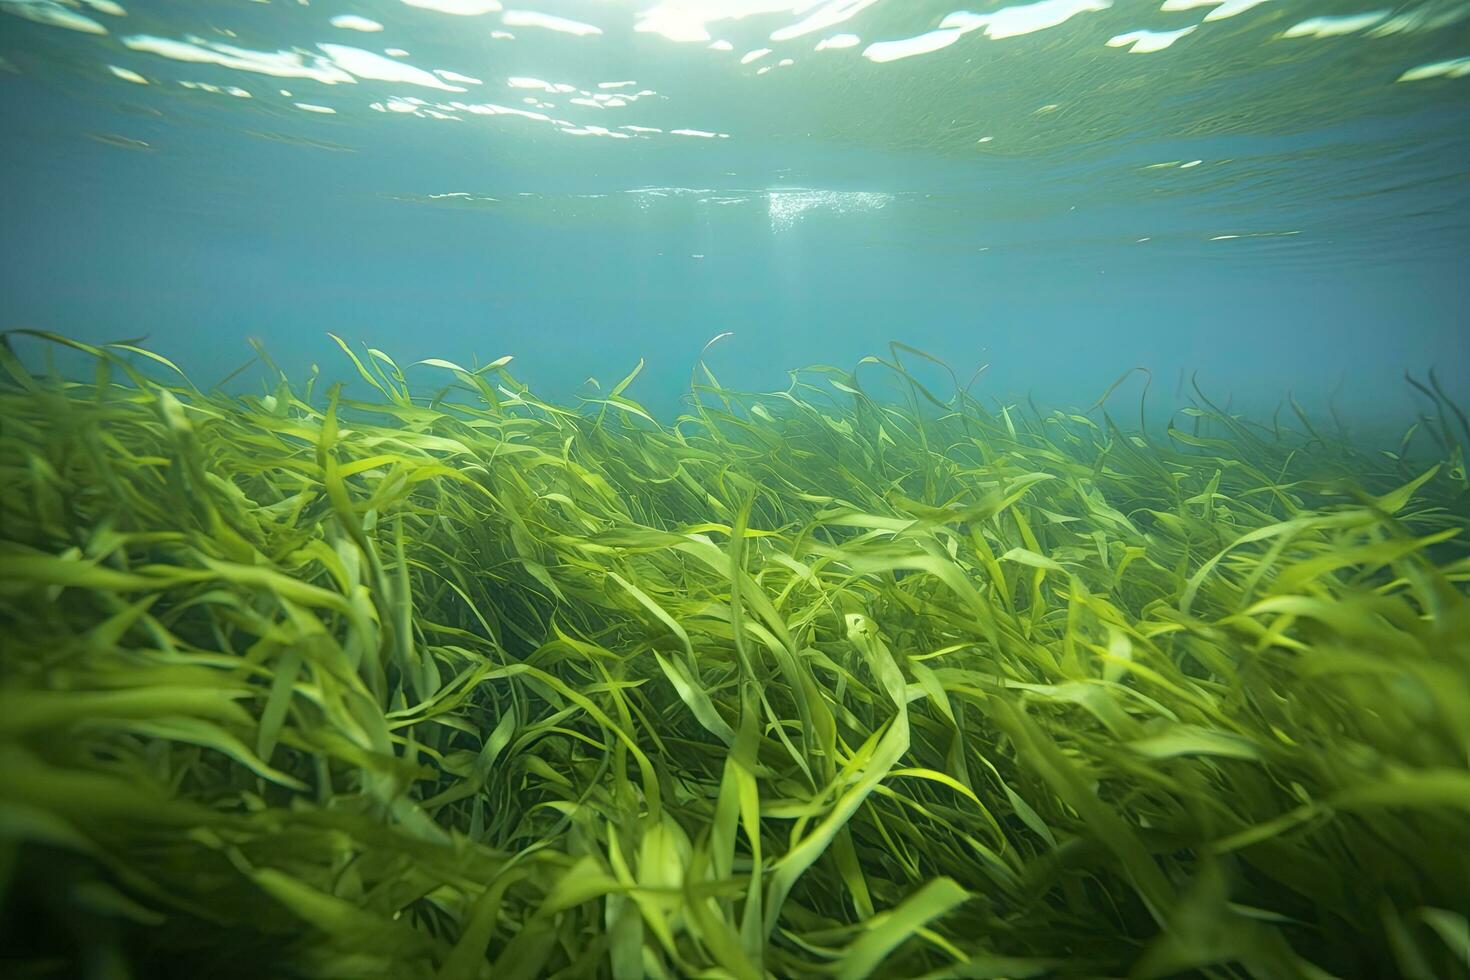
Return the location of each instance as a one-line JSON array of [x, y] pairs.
[[1319, 243]]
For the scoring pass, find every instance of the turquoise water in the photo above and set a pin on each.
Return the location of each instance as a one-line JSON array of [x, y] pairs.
[[1270, 193], [1070, 670]]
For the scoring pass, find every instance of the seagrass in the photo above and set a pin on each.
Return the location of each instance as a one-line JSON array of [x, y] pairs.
[[427, 677]]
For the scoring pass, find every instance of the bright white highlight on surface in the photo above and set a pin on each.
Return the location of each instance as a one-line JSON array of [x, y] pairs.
[[107, 7], [127, 75], [722, 46], [755, 55], [54, 14], [615, 84], [1232, 7], [352, 22], [675, 25], [464, 8], [839, 41], [1426, 18], [1147, 42], [881, 51], [395, 52], [521, 81], [530, 18], [464, 196], [1003, 23], [1334, 26], [234, 90], [1025, 19], [1227, 8], [688, 21], [1453, 68], [694, 132], [281, 64], [491, 109], [593, 131], [366, 64], [829, 15], [454, 76], [309, 107]]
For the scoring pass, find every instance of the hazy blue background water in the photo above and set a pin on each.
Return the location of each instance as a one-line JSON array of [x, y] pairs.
[[984, 202]]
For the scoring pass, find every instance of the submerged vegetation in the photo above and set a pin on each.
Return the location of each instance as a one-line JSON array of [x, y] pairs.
[[456, 683]]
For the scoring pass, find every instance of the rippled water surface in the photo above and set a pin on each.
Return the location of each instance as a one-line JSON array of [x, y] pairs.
[[1272, 190]]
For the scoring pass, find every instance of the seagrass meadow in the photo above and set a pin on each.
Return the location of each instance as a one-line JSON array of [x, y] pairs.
[[447, 681]]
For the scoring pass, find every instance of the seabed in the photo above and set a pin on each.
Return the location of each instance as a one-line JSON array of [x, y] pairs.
[[455, 683]]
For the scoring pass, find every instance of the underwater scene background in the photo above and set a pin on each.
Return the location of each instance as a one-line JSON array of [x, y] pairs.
[[734, 488]]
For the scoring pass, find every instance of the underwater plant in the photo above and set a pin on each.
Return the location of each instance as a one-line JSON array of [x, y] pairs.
[[452, 682]]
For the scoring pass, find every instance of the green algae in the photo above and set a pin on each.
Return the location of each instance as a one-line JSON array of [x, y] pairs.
[[453, 682]]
